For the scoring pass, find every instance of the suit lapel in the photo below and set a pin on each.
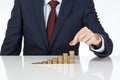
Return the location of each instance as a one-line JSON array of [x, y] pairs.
[[38, 8], [64, 12]]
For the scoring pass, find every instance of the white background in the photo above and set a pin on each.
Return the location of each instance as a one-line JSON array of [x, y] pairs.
[[108, 12]]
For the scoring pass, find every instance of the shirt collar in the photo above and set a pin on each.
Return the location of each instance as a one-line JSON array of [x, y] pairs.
[[47, 1]]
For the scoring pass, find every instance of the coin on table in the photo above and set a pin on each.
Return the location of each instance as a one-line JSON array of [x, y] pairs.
[[65, 58], [60, 59], [54, 60], [49, 61]]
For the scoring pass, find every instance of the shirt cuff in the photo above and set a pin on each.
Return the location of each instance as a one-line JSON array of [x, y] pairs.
[[101, 49]]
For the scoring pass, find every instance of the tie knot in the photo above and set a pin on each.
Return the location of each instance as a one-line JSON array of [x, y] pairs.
[[53, 3]]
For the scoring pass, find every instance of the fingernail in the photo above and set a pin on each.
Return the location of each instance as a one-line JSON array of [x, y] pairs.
[[71, 43]]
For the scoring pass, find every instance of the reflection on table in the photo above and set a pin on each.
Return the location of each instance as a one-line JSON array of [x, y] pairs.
[[20, 68]]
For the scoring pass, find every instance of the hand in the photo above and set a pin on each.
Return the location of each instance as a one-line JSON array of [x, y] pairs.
[[87, 36]]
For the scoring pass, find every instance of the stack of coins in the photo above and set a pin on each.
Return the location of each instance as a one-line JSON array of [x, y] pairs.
[[44, 62], [65, 58], [49, 61], [54, 60], [60, 59], [37, 63], [72, 57]]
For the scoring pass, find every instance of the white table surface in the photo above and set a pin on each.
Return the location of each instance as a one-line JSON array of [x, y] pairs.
[[85, 68]]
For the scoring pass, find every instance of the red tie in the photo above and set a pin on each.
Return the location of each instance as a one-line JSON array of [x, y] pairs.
[[52, 19]]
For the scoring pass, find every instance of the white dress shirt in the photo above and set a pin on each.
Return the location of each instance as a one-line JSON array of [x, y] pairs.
[[47, 10]]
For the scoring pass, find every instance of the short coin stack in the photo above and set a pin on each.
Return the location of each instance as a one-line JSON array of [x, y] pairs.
[[49, 61], [54, 60], [61, 59]]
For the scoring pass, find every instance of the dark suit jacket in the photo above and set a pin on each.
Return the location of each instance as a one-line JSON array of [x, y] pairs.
[[27, 20]]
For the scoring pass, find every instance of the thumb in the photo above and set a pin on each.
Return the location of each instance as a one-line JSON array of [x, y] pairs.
[[74, 41]]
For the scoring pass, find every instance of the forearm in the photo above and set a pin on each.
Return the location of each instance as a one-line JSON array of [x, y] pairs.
[[13, 37]]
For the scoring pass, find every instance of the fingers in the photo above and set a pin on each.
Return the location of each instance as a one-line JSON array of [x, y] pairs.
[[78, 37], [85, 39], [75, 40], [89, 42], [87, 36]]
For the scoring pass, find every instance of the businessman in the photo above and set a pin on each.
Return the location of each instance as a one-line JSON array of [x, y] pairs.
[[52, 27]]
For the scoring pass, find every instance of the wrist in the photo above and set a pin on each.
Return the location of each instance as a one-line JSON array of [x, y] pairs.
[[99, 41]]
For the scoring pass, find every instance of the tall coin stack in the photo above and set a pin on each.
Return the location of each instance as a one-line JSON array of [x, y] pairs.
[[65, 58], [72, 57], [60, 59]]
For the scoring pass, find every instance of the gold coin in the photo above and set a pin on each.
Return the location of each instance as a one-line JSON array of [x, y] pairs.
[[65, 54], [72, 53], [54, 60], [72, 57], [65, 58], [36, 63], [60, 59], [44, 62], [49, 62]]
